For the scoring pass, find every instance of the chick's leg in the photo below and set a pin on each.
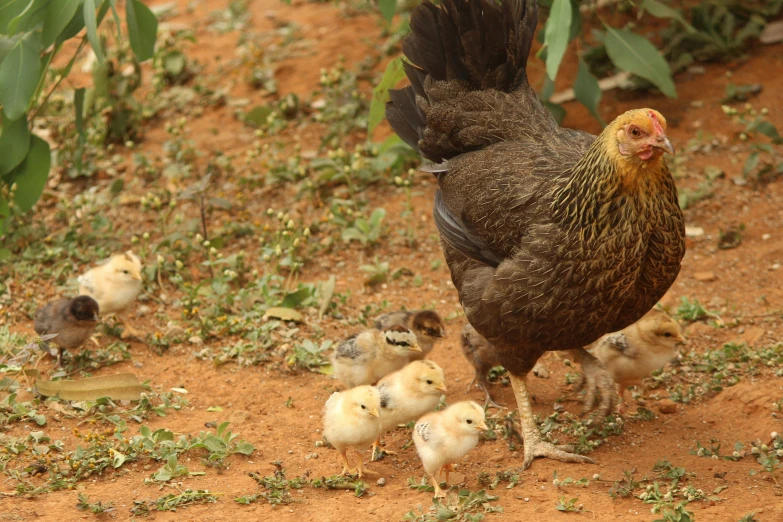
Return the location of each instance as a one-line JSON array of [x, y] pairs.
[[534, 445], [361, 464], [128, 331], [621, 402], [445, 470], [598, 382], [346, 466], [438, 492]]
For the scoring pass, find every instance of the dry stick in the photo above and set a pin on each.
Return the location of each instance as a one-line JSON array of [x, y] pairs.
[[204, 228]]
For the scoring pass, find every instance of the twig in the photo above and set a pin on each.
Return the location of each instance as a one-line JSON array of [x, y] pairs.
[[60, 80]]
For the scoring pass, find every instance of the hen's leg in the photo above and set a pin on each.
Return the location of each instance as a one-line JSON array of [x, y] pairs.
[[598, 382], [534, 445]]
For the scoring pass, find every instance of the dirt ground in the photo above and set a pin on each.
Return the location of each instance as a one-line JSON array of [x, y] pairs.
[[743, 285]]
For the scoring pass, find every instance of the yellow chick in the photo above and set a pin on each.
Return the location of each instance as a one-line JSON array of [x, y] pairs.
[[426, 324], [351, 420], [638, 350], [408, 394], [114, 284], [371, 355], [444, 437]]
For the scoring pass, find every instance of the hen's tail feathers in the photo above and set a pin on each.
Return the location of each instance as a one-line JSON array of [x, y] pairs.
[[479, 44]]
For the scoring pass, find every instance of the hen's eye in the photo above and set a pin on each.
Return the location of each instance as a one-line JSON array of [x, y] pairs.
[[667, 334], [470, 421], [364, 407], [635, 132], [429, 381]]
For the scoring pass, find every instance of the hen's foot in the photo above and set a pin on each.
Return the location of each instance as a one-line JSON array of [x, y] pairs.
[[531, 437], [563, 453], [598, 384]]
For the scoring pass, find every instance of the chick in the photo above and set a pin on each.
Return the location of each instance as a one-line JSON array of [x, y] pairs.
[[72, 321], [371, 355], [408, 394], [114, 284], [426, 324], [638, 350], [351, 420], [482, 356], [444, 437]]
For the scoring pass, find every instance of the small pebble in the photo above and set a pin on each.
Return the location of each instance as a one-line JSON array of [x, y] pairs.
[[381, 482]]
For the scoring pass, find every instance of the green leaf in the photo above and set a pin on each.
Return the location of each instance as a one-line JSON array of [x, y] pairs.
[[587, 91], [19, 74], [14, 144], [91, 22], [31, 175], [245, 448], [767, 129], [73, 27], [380, 94], [142, 29], [58, 16], [387, 8], [32, 15], [635, 54], [558, 29], [10, 9], [659, 10], [294, 299], [751, 163]]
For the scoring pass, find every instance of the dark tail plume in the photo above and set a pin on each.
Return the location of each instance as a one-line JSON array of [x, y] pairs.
[[473, 44]]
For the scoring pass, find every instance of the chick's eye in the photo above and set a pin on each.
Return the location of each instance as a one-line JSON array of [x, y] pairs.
[[667, 334], [125, 272], [470, 421], [429, 381], [364, 407]]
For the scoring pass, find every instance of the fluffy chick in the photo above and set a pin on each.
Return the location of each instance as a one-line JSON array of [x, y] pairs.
[[72, 321], [351, 420], [408, 394], [444, 437], [371, 355], [638, 350], [114, 284], [426, 324]]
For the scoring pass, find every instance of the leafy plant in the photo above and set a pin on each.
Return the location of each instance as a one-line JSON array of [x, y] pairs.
[[222, 444], [33, 35], [366, 231]]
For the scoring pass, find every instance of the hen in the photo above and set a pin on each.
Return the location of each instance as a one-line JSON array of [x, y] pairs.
[[554, 237]]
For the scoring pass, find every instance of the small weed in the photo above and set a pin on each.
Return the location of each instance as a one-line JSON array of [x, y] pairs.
[[96, 507], [568, 505], [340, 482], [485, 479], [187, 497], [692, 310], [376, 273], [367, 231], [465, 506], [626, 486], [277, 486], [309, 355]]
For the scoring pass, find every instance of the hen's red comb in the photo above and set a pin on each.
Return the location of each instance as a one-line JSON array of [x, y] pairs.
[[656, 124]]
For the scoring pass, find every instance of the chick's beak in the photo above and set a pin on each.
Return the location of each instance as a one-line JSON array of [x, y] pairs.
[[442, 334], [482, 426], [415, 348], [374, 413], [442, 388], [663, 143], [680, 339]]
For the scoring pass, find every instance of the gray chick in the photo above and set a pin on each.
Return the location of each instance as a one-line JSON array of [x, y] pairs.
[[426, 324], [72, 321]]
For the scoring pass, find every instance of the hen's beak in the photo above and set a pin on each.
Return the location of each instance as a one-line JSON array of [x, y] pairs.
[[482, 426], [374, 413], [415, 348], [442, 388], [663, 143]]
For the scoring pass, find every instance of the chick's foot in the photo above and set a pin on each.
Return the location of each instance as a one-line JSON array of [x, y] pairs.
[[534, 445], [597, 382]]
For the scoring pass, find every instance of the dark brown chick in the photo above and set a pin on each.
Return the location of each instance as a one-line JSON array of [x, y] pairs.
[[481, 354], [553, 237], [426, 324], [72, 321]]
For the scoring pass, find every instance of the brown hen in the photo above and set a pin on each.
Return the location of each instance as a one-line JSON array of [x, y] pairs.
[[554, 237]]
